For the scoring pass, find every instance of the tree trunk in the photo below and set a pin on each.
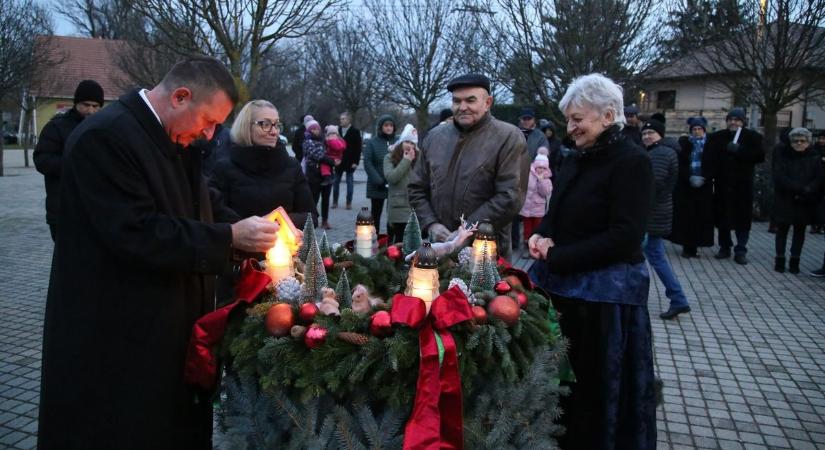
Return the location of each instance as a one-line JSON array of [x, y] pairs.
[[2, 141], [769, 119], [422, 116]]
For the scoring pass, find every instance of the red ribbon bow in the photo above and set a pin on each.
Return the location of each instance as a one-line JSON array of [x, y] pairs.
[[437, 418], [201, 367]]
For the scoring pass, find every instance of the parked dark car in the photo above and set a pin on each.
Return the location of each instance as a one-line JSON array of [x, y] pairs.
[[9, 138]]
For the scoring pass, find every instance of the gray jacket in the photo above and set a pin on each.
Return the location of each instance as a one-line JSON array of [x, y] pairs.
[[536, 139], [475, 172]]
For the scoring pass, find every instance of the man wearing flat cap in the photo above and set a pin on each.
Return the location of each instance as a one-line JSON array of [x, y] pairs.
[[739, 150], [631, 129], [472, 167]]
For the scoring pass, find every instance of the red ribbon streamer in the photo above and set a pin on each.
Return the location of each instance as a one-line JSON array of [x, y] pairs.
[[437, 418], [201, 367]]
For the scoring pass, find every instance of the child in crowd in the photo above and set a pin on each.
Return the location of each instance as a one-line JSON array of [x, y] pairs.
[[539, 188], [335, 149]]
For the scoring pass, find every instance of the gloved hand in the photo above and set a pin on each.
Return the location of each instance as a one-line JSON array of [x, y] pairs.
[[732, 147], [438, 232], [697, 181]]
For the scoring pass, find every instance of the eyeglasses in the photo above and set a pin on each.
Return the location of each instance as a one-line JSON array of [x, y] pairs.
[[799, 141], [266, 125]]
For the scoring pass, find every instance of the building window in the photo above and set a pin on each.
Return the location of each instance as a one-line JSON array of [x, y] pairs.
[[666, 100]]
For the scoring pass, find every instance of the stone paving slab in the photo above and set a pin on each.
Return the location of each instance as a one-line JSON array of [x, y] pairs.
[[743, 370]]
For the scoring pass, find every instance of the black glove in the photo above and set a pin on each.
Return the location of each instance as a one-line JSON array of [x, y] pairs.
[[732, 147]]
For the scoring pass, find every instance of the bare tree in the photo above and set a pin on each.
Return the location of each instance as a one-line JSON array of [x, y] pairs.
[[345, 67], [241, 32], [418, 48], [106, 19], [544, 44], [773, 59], [21, 21]]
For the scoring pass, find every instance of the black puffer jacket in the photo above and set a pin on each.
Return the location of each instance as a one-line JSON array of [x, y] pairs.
[[256, 180], [48, 156], [665, 174], [798, 186]]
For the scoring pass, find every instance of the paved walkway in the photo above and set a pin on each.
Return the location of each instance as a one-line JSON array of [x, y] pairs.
[[743, 370]]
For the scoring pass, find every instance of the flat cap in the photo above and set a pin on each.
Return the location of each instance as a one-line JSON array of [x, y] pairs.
[[631, 110], [469, 80]]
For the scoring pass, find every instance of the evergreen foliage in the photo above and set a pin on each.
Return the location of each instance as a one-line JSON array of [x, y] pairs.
[[315, 276], [308, 240], [412, 234], [326, 249]]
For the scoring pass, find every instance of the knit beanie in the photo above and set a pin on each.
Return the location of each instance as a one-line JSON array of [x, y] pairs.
[[408, 134], [737, 113], [88, 91], [331, 129], [654, 125], [541, 161], [307, 119], [697, 122], [312, 123]]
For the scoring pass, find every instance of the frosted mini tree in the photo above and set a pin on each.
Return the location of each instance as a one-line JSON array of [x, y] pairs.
[[343, 291], [309, 238], [412, 234], [484, 275], [315, 277], [326, 249]]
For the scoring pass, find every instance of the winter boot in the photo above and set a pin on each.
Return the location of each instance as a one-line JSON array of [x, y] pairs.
[[793, 264], [779, 264]]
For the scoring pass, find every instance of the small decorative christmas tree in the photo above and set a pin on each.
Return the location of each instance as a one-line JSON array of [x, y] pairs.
[[326, 249], [309, 239], [478, 280], [412, 234], [343, 290], [315, 277]]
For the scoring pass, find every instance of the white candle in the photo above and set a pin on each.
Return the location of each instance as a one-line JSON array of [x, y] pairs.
[[279, 261], [364, 239]]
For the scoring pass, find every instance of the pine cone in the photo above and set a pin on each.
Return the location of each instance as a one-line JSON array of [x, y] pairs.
[[465, 256], [298, 331], [353, 338], [461, 285], [344, 265], [288, 290]]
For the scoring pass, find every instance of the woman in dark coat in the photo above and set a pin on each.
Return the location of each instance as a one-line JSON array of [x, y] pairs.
[[259, 175], [798, 181], [589, 251], [374, 152], [693, 195]]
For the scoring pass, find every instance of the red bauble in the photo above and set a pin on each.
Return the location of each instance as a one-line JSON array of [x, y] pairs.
[[329, 264], [279, 319], [513, 280], [316, 335], [307, 312], [479, 315], [521, 298], [503, 287], [381, 324], [505, 309], [393, 252]]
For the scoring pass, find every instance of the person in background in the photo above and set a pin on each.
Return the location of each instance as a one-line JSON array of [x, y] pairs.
[[739, 150], [589, 258], [819, 148], [659, 224], [535, 140], [352, 157], [298, 138], [335, 147], [539, 188], [397, 167], [259, 175], [214, 150], [631, 129], [798, 178], [315, 156], [374, 152], [48, 154], [445, 116], [693, 196]]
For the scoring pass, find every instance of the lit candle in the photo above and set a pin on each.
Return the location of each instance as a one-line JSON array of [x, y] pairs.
[[484, 237], [279, 261], [366, 241], [422, 281]]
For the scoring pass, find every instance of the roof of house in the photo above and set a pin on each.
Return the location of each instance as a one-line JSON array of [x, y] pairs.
[[75, 59]]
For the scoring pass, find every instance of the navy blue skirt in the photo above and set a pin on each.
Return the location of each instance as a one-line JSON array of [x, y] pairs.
[[612, 404]]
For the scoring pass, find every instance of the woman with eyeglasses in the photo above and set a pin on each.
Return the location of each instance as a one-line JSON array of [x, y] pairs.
[[259, 175], [798, 186]]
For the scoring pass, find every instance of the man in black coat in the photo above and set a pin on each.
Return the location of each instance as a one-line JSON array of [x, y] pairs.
[[352, 156], [134, 268], [739, 149], [48, 154], [631, 129]]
